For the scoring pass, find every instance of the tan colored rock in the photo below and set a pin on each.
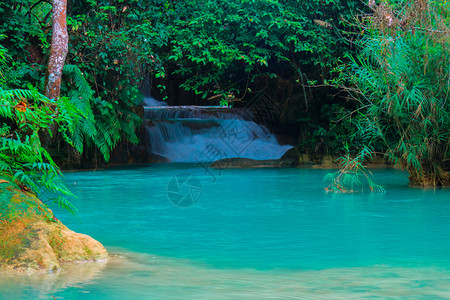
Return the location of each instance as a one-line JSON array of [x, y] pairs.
[[31, 239], [79, 247]]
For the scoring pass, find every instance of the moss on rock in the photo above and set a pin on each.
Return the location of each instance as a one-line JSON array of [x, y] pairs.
[[30, 239]]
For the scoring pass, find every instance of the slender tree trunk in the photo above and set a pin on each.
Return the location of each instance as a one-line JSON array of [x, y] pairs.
[[58, 50]]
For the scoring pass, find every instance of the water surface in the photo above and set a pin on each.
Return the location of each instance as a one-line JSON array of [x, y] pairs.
[[251, 234]]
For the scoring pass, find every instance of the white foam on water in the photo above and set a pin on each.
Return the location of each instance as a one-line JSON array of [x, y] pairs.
[[150, 101]]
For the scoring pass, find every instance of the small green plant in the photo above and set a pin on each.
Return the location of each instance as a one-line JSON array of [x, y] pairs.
[[353, 176], [224, 103]]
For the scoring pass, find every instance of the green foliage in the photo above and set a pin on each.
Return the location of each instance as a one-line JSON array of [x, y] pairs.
[[101, 76], [213, 47], [81, 96], [99, 126], [110, 44], [25, 21], [400, 80], [353, 176], [24, 114], [222, 48], [329, 135]]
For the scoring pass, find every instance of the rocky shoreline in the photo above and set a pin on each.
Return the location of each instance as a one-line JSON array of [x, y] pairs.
[[292, 158], [33, 240]]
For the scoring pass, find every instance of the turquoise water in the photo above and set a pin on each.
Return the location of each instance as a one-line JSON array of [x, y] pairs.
[[250, 234]]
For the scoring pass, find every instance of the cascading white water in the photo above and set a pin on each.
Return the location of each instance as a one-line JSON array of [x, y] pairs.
[[204, 134], [150, 101]]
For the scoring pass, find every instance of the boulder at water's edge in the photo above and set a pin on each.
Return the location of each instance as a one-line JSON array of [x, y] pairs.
[[32, 239]]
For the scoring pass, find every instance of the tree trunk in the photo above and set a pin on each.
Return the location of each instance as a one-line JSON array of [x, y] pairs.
[[58, 50]]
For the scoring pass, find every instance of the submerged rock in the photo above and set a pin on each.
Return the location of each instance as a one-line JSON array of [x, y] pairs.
[[238, 163], [31, 238], [289, 159]]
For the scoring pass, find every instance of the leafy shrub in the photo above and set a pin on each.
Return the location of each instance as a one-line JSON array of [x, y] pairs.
[[25, 114], [400, 80]]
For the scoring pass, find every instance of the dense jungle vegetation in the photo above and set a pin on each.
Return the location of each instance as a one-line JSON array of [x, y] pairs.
[[354, 79]]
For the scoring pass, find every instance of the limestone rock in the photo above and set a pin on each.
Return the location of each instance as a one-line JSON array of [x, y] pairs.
[[32, 239]]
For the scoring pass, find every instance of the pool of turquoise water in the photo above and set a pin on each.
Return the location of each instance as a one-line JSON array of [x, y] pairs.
[[251, 234]]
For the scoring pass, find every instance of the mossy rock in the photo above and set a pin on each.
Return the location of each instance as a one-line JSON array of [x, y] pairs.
[[32, 239]]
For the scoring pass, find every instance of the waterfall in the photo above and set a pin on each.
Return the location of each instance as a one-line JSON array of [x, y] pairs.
[[208, 133], [150, 101]]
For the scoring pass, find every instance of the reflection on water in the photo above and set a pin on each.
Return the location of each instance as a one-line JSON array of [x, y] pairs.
[[143, 276], [41, 285]]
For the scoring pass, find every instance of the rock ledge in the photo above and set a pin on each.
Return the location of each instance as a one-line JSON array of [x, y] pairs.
[[31, 239]]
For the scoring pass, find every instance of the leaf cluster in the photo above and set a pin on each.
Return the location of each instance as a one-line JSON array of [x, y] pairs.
[[400, 80], [24, 115]]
